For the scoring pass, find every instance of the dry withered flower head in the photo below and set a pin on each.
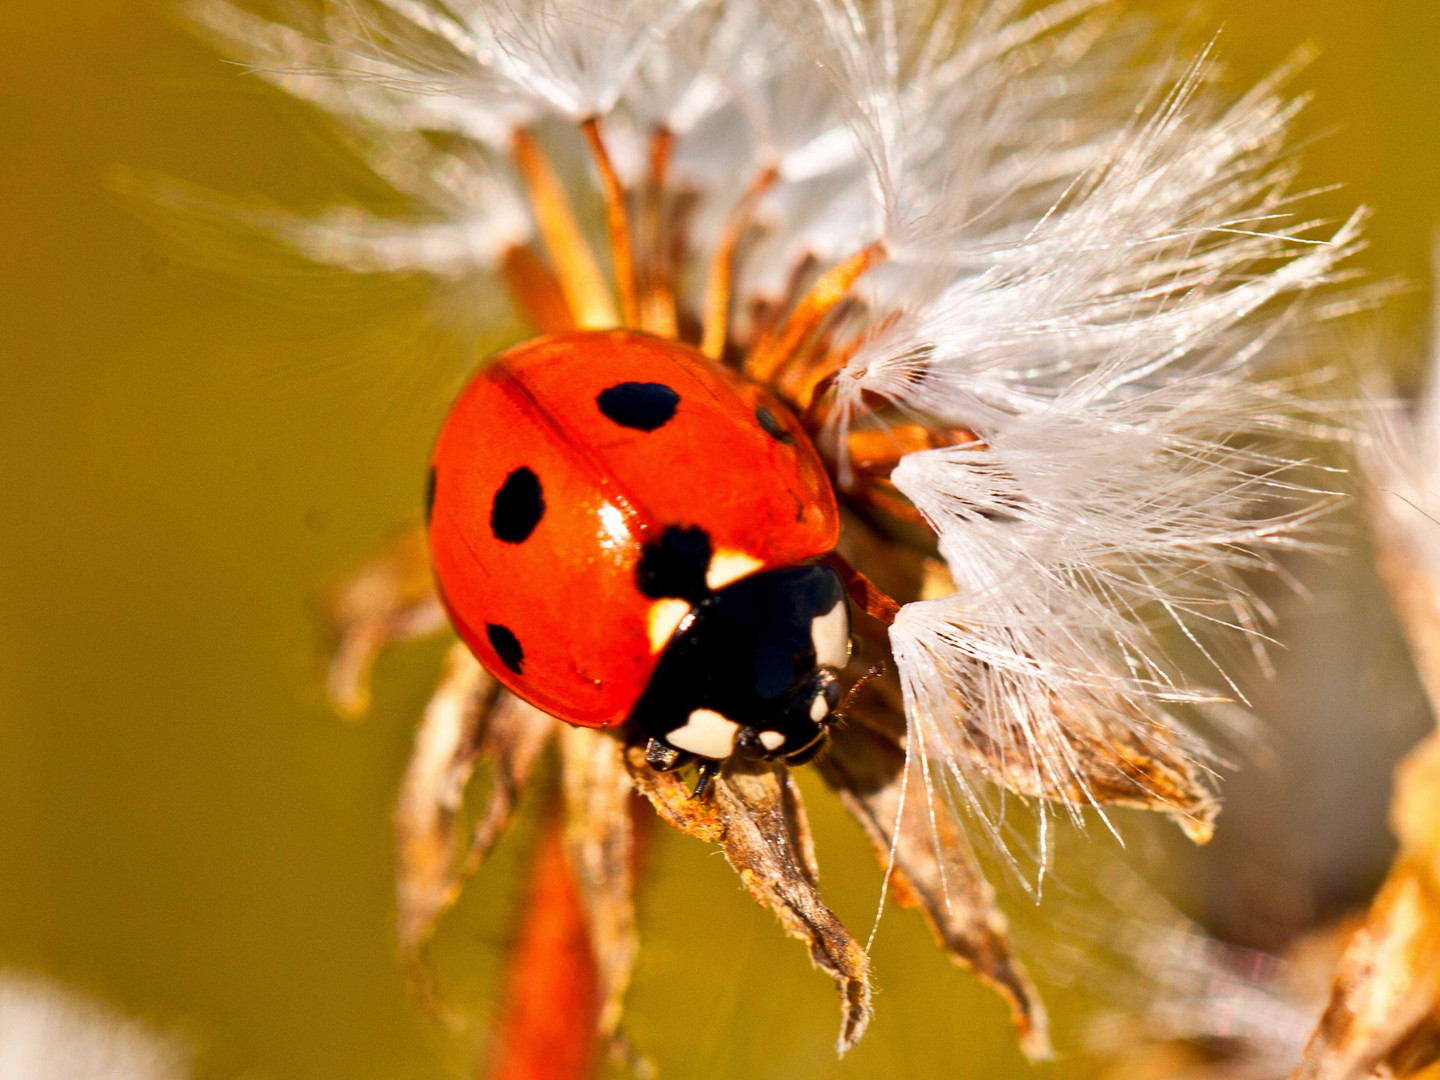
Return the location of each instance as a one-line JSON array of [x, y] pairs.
[[1016, 292]]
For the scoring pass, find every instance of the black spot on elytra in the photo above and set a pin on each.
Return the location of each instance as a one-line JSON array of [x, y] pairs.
[[518, 507], [506, 646], [675, 564], [644, 406], [429, 494], [772, 425]]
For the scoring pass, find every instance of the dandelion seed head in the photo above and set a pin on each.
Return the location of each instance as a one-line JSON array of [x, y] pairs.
[[1085, 261]]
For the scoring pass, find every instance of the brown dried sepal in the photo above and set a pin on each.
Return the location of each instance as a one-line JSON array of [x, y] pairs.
[[933, 871], [1383, 1017], [756, 816], [599, 839], [466, 718], [389, 598], [1108, 763]]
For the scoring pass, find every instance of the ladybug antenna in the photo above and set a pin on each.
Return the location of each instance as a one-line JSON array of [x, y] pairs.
[[622, 254], [873, 673]]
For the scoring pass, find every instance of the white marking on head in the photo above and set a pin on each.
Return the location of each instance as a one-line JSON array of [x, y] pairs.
[[665, 616], [830, 634], [705, 733], [772, 740], [819, 708], [727, 566]]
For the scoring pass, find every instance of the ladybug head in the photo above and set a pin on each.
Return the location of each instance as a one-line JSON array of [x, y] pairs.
[[752, 670]]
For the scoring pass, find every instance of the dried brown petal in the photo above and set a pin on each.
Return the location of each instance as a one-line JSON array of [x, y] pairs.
[[757, 818], [599, 845], [670, 796], [1109, 763], [390, 598], [934, 871], [1383, 1017], [467, 717]]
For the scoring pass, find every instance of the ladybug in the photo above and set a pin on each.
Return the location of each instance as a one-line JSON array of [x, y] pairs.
[[624, 531]]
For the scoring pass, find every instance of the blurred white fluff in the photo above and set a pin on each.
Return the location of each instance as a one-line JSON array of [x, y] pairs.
[[1401, 457], [1078, 248], [50, 1033]]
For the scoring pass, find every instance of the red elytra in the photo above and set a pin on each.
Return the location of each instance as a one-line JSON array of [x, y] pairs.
[[560, 460]]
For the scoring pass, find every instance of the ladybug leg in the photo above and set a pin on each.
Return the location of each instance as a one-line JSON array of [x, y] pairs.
[[662, 758], [863, 591], [708, 767]]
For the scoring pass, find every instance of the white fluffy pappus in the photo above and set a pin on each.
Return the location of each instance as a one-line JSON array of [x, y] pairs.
[[1400, 458], [1080, 262], [1123, 469], [48, 1032]]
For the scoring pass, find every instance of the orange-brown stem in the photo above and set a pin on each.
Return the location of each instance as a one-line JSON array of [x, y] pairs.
[[863, 591], [657, 294], [876, 451], [581, 281], [617, 217], [722, 265], [536, 291], [805, 385], [547, 1028], [829, 290], [879, 496]]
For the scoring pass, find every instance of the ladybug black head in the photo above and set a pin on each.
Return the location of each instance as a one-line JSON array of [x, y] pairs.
[[752, 670]]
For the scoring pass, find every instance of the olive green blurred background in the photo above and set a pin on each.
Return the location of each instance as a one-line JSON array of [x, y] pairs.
[[194, 443]]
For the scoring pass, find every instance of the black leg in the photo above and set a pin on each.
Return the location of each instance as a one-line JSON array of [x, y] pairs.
[[708, 767]]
